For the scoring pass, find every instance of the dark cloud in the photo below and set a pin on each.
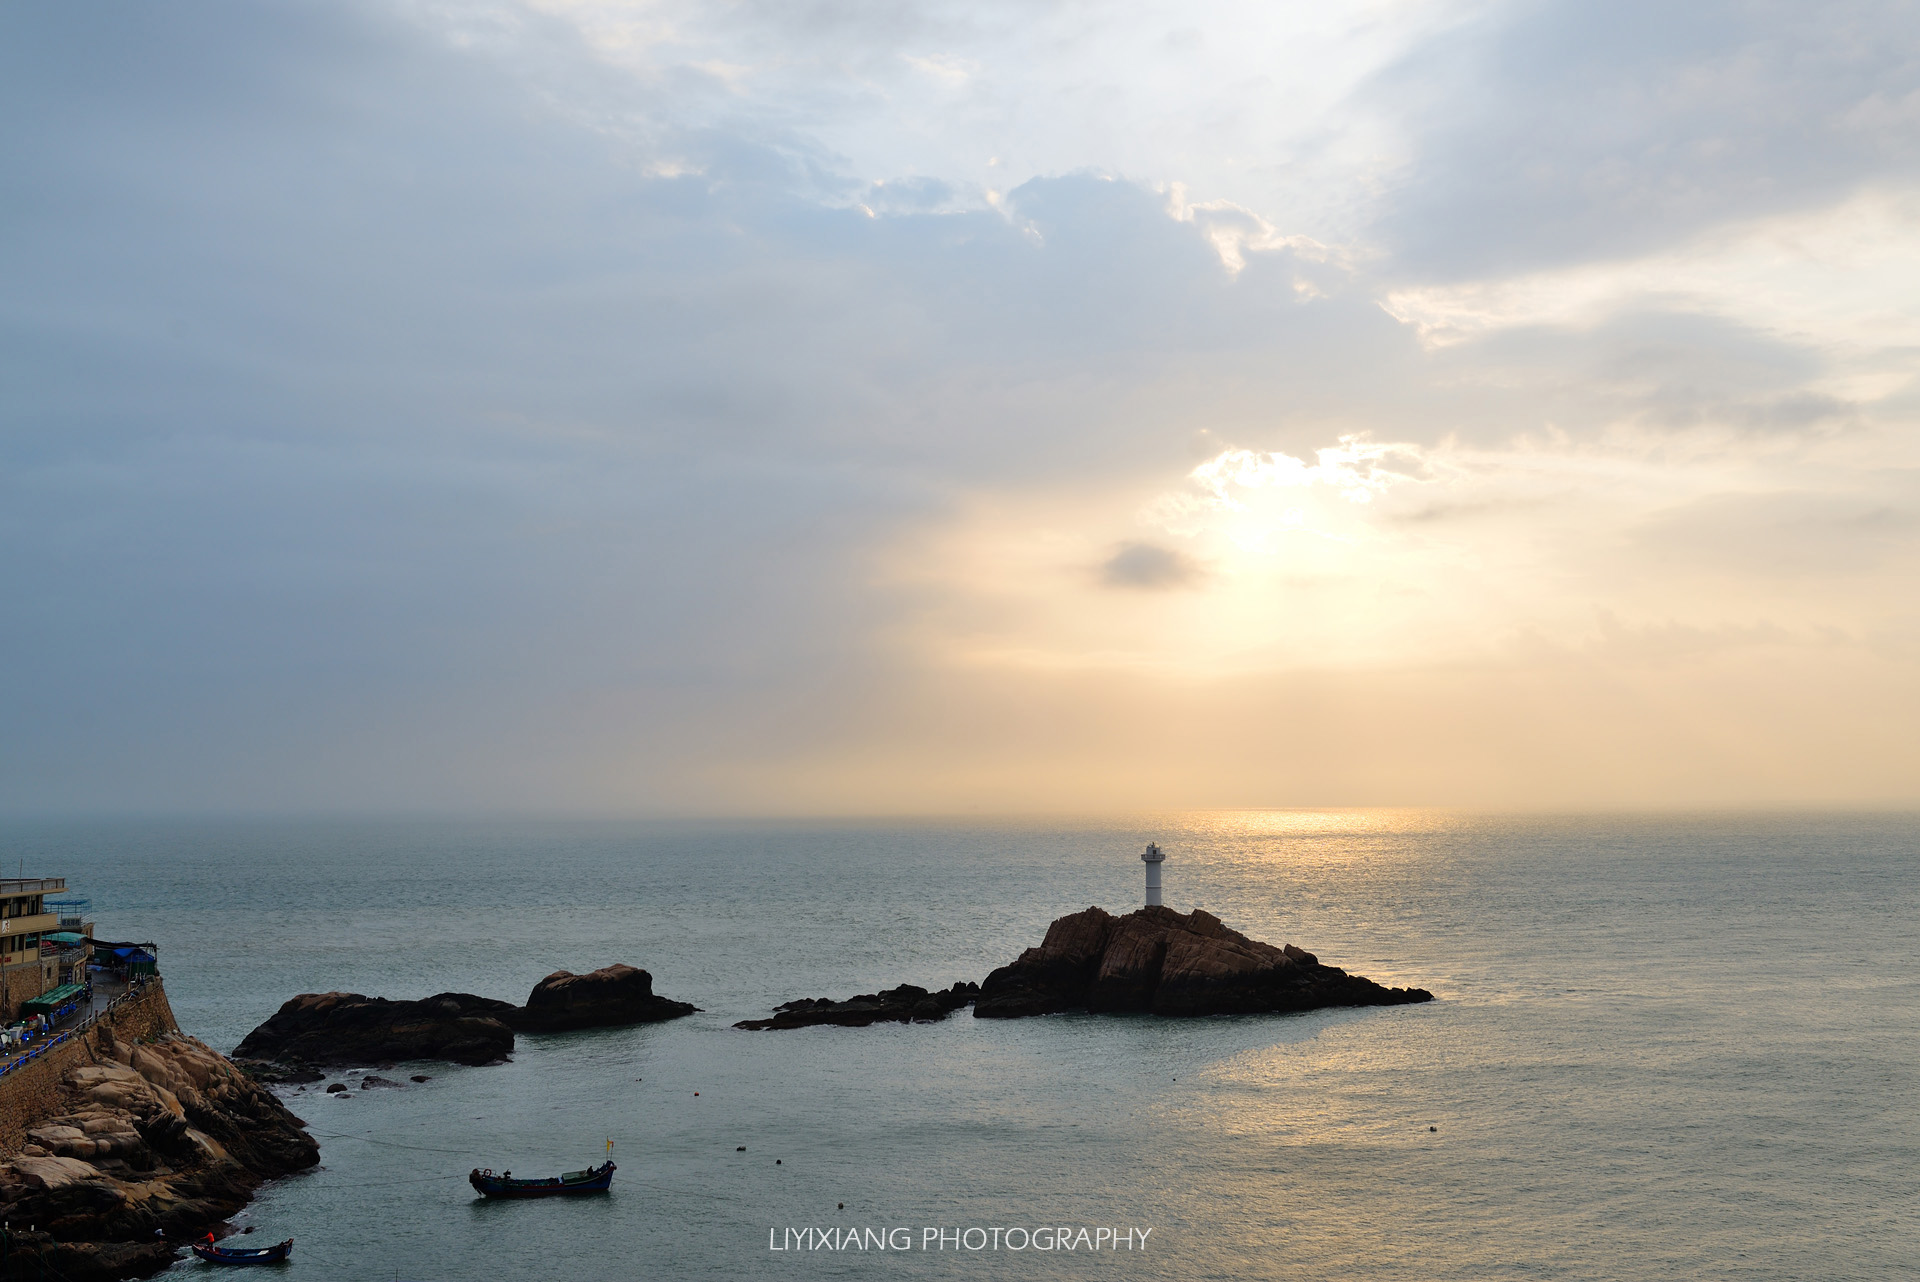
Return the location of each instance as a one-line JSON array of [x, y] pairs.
[[1144, 565], [1665, 370]]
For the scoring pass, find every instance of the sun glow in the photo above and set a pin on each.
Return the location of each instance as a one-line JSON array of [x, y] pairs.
[[1268, 505], [1362, 554]]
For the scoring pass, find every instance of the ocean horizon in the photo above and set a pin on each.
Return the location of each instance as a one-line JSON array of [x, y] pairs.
[[1661, 1046]]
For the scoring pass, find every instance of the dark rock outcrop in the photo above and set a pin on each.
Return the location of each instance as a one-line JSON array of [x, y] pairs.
[[340, 1029], [611, 996], [268, 1073], [906, 1004], [165, 1135], [1167, 963], [347, 1028]]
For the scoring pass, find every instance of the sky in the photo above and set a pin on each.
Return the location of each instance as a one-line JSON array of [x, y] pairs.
[[646, 406]]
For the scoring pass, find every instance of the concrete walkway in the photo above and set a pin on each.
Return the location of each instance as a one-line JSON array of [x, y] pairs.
[[105, 992]]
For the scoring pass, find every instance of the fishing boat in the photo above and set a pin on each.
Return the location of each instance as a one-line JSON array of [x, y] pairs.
[[256, 1255], [596, 1179]]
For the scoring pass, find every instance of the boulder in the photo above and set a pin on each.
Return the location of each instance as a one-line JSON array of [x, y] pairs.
[[339, 1029], [908, 1003], [609, 997], [348, 1028], [49, 1173], [1162, 962]]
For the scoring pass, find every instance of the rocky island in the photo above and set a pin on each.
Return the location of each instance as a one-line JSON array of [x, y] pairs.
[[316, 1030], [1153, 960], [121, 1138]]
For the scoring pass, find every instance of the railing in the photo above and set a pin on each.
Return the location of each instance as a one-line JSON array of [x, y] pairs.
[[68, 1034], [31, 885]]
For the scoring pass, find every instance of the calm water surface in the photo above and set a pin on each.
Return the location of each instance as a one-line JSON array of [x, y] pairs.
[[1664, 1048]]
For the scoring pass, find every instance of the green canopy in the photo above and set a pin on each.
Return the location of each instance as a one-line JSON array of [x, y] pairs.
[[66, 937], [50, 1001]]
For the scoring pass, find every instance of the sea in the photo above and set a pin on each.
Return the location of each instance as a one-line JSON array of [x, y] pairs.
[[1662, 1046]]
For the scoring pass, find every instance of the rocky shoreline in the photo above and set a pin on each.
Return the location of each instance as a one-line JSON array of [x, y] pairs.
[[141, 1144], [131, 1144]]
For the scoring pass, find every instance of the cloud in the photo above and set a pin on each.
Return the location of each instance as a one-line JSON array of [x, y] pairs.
[[1144, 565], [1790, 534], [1540, 135], [678, 406], [990, 94]]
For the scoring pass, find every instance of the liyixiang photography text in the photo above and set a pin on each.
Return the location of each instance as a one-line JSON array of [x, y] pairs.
[[1047, 1237]]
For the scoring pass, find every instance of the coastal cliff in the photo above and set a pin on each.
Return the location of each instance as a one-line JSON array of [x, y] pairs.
[[131, 1131], [1162, 962]]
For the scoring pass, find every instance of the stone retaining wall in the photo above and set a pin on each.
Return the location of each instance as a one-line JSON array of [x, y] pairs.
[[30, 1095]]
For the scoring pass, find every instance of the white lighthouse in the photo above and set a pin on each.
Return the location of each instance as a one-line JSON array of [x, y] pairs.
[[1153, 859]]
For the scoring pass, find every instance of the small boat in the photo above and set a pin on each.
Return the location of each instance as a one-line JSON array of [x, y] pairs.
[[257, 1255], [597, 1179]]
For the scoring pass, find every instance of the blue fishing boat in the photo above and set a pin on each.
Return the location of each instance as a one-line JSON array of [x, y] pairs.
[[596, 1179], [257, 1255]]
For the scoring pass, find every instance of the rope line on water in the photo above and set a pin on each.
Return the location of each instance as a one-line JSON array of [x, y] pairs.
[[425, 1179], [417, 1148]]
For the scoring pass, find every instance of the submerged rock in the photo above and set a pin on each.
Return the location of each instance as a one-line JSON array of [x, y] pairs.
[[611, 996], [1163, 962], [908, 1003]]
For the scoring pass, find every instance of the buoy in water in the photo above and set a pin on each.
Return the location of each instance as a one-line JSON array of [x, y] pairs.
[[741, 1149], [776, 1161], [843, 1206]]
